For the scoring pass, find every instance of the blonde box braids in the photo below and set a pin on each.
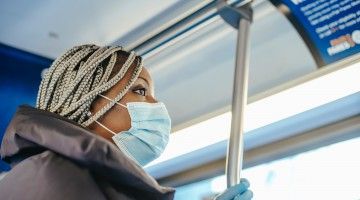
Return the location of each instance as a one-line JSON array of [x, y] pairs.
[[75, 79]]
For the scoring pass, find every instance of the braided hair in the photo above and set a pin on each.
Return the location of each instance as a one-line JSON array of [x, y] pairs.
[[74, 80]]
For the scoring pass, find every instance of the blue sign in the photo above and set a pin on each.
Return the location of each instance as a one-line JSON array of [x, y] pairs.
[[330, 28]]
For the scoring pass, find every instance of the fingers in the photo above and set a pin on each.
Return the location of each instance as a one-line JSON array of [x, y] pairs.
[[247, 195], [238, 189], [245, 181]]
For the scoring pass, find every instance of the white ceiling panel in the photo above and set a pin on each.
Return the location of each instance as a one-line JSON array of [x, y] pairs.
[[50, 27], [194, 76]]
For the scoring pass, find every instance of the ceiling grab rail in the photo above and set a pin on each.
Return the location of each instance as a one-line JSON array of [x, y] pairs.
[[240, 18]]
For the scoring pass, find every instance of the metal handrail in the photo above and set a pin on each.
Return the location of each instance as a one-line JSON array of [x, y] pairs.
[[239, 18], [182, 24]]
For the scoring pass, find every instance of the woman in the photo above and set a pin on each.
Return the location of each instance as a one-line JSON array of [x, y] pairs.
[[96, 122]]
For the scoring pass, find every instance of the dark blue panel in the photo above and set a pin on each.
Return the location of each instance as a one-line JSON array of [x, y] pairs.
[[19, 81], [330, 28]]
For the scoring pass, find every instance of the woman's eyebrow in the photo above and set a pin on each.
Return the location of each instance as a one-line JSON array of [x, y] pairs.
[[145, 80], [150, 86]]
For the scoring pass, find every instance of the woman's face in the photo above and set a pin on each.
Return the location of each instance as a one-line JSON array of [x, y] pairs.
[[117, 118]]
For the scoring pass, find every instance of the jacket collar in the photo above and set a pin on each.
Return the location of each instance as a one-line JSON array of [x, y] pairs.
[[35, 130]]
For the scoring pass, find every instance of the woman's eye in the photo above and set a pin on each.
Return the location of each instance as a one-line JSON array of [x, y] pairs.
[[140, 91]]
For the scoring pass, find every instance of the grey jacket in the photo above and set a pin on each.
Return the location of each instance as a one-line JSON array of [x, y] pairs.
[[54, 158]]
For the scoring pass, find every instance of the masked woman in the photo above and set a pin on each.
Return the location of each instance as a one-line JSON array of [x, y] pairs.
[[96, 123]]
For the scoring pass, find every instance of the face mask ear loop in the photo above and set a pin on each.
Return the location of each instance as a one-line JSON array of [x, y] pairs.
[[112, 100], [105, 127]]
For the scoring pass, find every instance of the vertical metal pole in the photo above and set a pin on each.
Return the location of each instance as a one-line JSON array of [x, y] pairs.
[[236, 145]]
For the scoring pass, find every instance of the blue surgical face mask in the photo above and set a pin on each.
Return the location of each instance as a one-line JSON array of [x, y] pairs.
[[149, 132]]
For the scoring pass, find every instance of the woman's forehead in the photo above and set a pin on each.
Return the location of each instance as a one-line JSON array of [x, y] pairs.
[[144, 74]]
